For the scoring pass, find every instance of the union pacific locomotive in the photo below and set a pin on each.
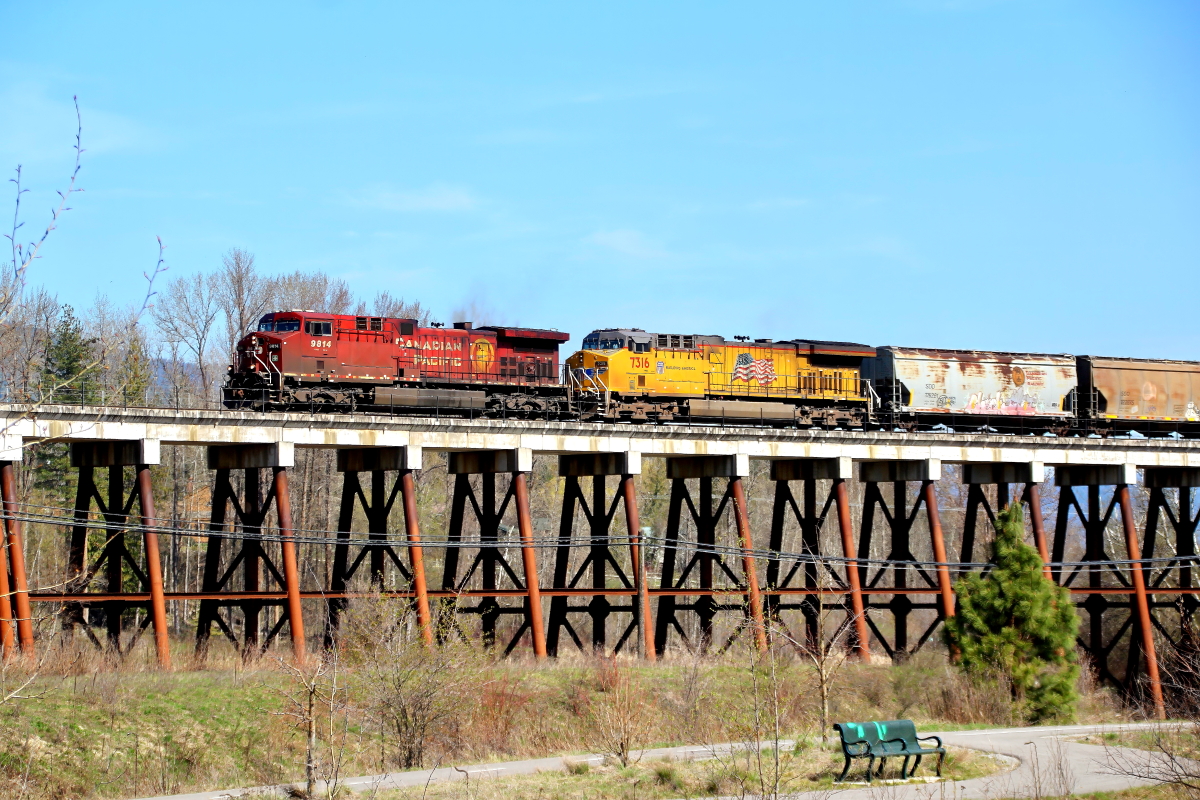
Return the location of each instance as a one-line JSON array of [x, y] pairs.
[[313, 361]]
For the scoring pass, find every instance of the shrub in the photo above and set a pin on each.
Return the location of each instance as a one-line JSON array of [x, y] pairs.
[[1017, 627]]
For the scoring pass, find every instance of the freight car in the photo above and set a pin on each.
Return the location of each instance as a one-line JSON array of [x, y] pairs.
[[1158, 395], [339, 362], [921, 387], [629, 374]]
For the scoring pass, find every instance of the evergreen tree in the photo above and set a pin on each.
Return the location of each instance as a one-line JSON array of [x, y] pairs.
[[63, 378], [1017, 626], [134, 375], [69, 360]]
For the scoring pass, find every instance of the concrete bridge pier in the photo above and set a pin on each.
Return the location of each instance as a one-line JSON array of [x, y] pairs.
[[114, 558], [377, 508], [489, 509], [251, 508]]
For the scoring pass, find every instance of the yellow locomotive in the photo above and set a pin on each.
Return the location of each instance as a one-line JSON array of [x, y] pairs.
[[627, 373]]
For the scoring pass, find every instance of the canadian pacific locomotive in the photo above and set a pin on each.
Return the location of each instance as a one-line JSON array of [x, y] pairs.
[[313, 361]]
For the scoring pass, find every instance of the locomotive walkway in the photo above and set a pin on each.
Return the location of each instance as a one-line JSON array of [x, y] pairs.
[[1064, 766]]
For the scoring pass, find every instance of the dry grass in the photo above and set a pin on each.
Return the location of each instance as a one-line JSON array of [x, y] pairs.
[[806, 769], [96, 727]]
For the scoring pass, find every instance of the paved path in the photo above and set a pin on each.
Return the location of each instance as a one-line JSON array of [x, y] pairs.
[[1065, 768]]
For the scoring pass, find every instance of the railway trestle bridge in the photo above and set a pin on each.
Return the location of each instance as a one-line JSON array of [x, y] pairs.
[[854, 533]]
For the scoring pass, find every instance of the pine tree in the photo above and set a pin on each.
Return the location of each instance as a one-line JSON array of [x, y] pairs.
[[1017, 626], [134, 375], [69, 360]]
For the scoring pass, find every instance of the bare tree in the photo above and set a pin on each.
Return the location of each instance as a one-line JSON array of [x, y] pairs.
[[386, 305], [23, 338], [12, 281], [314, 692], [826, 652], [619, 719], [415, 691], [187, 315], [1169, 753], [312, 290], [242, 294]]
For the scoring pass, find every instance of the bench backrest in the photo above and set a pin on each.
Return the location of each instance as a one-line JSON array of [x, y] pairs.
[[858, 733], [872, 733], [903, 729]]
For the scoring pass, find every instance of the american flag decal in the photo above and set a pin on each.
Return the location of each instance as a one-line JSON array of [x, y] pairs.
[[746, 368]]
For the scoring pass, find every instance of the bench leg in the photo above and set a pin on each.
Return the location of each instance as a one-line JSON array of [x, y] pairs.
[[941, 758], [882, 764], [904, 768], [870, 769], [916, 764], [845, 770]]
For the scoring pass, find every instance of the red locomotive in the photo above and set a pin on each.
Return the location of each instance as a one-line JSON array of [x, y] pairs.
[[335, 361]]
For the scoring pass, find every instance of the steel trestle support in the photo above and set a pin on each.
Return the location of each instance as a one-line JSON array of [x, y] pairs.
[[899, 521], [251, 509], [488, 511], [819, 576], [599, 514], [706, 559], [115, 558], [877, 585], [378, 462]]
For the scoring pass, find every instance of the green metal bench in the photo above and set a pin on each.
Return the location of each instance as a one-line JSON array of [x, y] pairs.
[[883, 740]]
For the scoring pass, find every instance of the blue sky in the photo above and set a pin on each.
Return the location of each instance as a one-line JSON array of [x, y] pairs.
[[994, 175]]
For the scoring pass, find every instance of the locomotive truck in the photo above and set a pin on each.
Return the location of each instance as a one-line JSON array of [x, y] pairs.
[[315, 361]]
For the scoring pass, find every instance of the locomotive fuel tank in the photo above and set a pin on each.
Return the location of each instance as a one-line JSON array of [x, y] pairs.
[[922, 380], [1139, 389]]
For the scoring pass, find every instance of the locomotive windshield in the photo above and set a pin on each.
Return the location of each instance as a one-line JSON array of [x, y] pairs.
[[269, 323], [611, 342]]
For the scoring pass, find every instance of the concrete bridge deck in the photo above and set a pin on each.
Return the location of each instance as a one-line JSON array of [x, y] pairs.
[[154, 426]]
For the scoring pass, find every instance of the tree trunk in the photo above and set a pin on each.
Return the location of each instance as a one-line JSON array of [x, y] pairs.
[[310, 766]]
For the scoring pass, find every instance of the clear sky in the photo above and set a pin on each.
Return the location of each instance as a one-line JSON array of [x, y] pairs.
[[994, 175]]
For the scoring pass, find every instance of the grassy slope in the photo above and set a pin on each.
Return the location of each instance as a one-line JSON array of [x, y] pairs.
[[110, 735]]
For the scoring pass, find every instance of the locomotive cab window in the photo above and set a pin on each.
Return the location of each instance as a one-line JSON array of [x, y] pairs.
[[317, 327], [266, 325], [287, 325]]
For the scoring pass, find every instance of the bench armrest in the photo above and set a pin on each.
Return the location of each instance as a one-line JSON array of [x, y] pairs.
[[855, 749], [937, 739]]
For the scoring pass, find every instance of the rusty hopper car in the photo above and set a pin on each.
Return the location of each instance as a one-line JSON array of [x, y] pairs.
[[310, 359], [1156, 394], [916, 382], [627, 373]]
